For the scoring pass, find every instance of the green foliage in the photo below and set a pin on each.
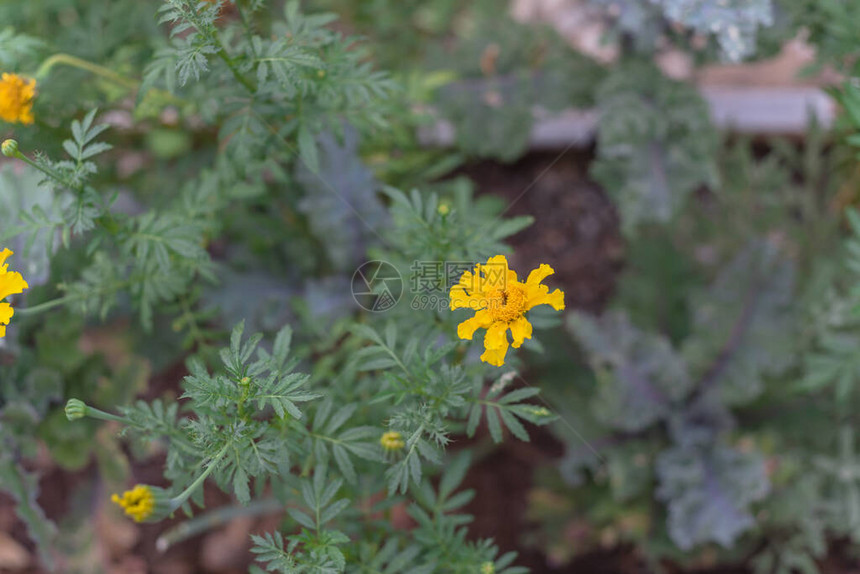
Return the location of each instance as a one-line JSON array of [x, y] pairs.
[[231, 185], [656, 144], [732, 25], [24, 489], [256, 156], [715, 380], [708, 492], [830, 30], [741, 334], [507, 75], [642, 374]]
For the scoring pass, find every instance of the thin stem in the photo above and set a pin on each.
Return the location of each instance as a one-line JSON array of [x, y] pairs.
[[222, 53], [106, 73], [46, 306], [99, 414], [44, 169], [85, 65], [213, 462], [214, 519]]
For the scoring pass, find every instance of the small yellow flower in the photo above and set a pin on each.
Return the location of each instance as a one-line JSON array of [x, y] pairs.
[[500, 302], [11, 283], [16, 99], [138, 503], [392, 441]]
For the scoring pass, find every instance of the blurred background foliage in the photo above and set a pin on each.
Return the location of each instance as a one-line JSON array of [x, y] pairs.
[[706, 417]]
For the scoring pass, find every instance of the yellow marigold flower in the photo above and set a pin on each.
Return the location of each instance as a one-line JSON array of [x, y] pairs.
[[16, 99], [146, 503], [11, 283], [392, 441], [138, 503], [501, 302]]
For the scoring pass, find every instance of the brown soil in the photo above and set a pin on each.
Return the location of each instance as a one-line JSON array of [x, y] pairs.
[[576, 226]]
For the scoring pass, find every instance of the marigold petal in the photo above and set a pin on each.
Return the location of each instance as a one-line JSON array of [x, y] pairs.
[[467, 279], [537, 276], [521, 330], [495, 357], [497, 336], [3, 255], [11, 283], [496, 273], [466, 329], [6, 313], [540, 295], [554, 299], [461, 299]]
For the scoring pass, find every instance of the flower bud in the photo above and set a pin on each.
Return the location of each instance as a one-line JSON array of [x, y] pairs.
[[9, 148], [75, 409], [145, 503], [392, 441]]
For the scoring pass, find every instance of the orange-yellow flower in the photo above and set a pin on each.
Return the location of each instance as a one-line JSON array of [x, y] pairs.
[[16, 99], [11, 283], [500, 302]]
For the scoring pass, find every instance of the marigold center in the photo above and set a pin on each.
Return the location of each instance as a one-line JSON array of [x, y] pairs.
[[507, 304]]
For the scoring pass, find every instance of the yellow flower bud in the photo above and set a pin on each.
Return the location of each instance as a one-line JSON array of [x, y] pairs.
[[145, 503], [392, 441], [75, 409], [9, 148]]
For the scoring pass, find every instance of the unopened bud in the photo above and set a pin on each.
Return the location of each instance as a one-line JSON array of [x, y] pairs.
[[145, 503], [9, 148], [75, 409]]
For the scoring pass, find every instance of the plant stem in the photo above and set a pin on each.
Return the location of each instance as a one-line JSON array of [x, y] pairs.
[[84, 65], [213, 519], [106, 73], [99, 414], [44, 169], [178, 501], [46, 306], [222, 53]]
